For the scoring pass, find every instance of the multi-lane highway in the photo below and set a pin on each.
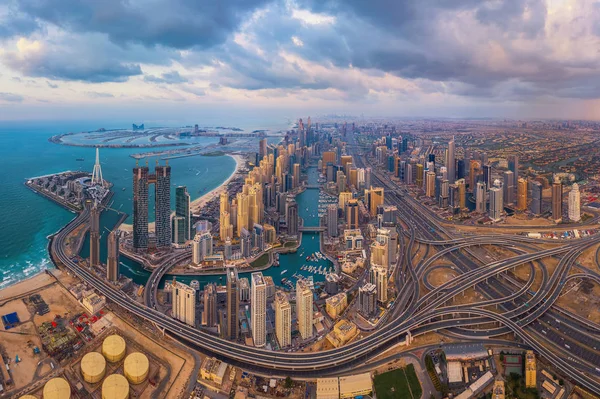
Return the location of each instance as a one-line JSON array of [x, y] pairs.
[[412, 311]]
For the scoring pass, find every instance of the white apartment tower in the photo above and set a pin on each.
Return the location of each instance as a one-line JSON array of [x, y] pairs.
[[304, 308], [259, 309], [283, 319], [575, 204], [184, 303]]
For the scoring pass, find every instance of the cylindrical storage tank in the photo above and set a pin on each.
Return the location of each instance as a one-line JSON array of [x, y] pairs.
[[57, 388], [93, 367], [115, 386], [113, 348], [136, 367]]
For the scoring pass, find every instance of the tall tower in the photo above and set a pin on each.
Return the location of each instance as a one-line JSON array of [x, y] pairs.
[[163, 206], [521, 194], [351, 211], [182, 210], [209, 316], [557, 203], [97, 171], [259, 309], [184, 303], [496, 203], [480, 200], [451, 162], [140, 207], [94, 236], [283, 319], [233, 304], [574, 204], [379, 277], [304, 308], [112, 261], [291, 212]]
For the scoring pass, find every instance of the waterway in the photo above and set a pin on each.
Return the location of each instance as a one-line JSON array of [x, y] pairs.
[[290, 263], [28, 218]]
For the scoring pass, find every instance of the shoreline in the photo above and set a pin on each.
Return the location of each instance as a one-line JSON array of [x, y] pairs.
[[204, 198], [198, 202]]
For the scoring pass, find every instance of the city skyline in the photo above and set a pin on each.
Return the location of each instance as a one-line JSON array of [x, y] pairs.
[[521, 59]]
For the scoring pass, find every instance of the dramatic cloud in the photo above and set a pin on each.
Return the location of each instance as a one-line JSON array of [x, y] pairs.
[[167, 77], [10, 97], [380, 52], [175, 23]]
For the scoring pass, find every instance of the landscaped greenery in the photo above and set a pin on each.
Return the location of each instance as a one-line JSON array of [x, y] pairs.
[[261, 261], [290, 244], [398, 384], [413, 381], [515, 388]]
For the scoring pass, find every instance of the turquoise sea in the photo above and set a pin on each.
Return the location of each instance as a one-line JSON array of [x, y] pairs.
[[29, 218]]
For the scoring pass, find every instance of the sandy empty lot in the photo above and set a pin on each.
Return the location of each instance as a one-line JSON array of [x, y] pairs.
[[20, 341]]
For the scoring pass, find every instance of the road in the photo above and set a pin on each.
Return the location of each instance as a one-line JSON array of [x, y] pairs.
[[412, 311]]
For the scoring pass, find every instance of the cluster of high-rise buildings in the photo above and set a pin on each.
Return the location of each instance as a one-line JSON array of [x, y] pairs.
[[185, 301], [269, 186], [449, 180]]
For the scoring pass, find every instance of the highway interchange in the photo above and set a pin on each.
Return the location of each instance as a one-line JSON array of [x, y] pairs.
[[568, 341]]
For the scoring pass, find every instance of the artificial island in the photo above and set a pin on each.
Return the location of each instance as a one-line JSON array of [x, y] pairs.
[[397, 259]]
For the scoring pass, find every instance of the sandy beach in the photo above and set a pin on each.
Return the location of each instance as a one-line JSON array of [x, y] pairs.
[[199, 202]]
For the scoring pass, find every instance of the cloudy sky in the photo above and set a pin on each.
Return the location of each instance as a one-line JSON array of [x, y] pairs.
[[153, 59]]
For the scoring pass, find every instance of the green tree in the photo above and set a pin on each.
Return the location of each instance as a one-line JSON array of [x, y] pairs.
[[288, 382]]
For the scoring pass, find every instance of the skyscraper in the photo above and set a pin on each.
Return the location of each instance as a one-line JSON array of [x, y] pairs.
[[162, 221], [202, 246], [182, 210], [509, 187], [162, 181], [367, 300], [112, 260], [451, 162], [94, 236], [557, 200], [574, 204], [513, 165], [376, 197], [496, 203], [351, 212], [245, 243], [259, 309], [332, 220], [480, 200], [522, 194], [184, 303], [304, 308], [209, 316], [536, 198], [487, 176], [233, 304], [262, 149], [474, 170], [140, 207], [291, 212], [379, 277], [296, 175], [283, 319], [430, 184]]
